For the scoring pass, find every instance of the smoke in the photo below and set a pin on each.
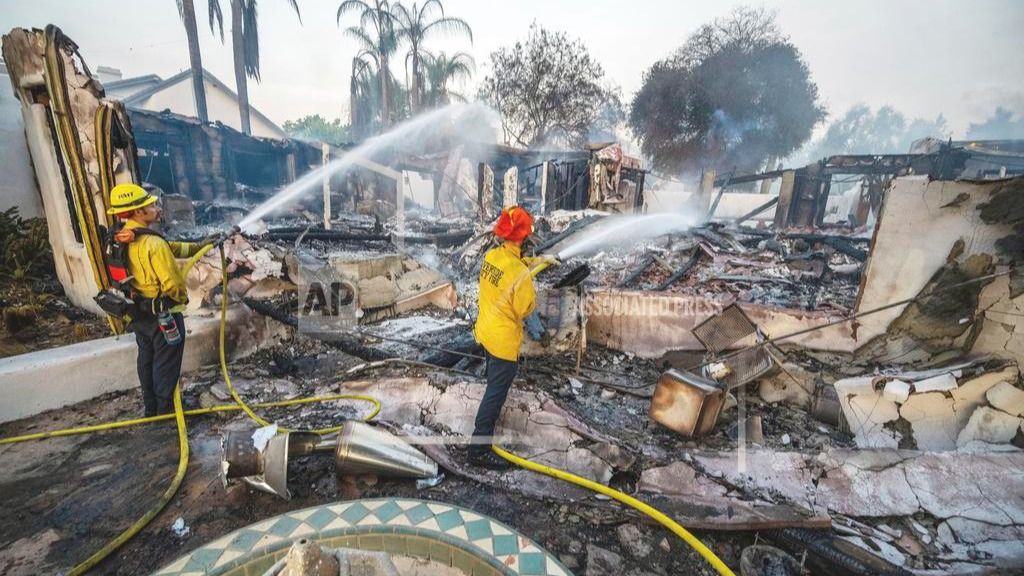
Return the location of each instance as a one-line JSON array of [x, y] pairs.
[[1000, 126], [726, 133]]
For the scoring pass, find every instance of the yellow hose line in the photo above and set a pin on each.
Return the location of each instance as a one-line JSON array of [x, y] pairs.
[[194, 412], [152, 512], [191, 262], [626, 499], [223, 358]]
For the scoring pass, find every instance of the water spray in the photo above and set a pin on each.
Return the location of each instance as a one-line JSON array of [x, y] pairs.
[[628, 230], [409, 131]]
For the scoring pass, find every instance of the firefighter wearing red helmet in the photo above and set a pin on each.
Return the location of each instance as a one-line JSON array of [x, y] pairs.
[[507, 302]]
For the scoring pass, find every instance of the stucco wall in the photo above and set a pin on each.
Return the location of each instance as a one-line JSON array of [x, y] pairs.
[[17, 183], [220, 105]]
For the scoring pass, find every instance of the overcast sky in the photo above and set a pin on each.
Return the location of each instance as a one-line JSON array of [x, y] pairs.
[[924, 57]]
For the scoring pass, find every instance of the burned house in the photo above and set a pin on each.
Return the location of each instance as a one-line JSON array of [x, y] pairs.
[[839, 379], [483, 178]]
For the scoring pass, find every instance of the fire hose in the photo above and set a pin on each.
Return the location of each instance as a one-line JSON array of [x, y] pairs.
[[183, 447]]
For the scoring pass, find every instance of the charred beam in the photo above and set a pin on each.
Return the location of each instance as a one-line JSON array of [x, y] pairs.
[[682, 272], [643, 267], [757, 210]]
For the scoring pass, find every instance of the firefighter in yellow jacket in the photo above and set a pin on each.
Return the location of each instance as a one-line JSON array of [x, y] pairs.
[[157, 287], [507, 301]]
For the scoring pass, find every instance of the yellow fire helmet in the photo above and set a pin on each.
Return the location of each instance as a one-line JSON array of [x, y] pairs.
[[127, 197]]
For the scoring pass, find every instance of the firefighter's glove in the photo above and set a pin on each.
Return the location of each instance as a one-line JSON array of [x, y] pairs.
[[535, 326], [213, 239], [550, 260]]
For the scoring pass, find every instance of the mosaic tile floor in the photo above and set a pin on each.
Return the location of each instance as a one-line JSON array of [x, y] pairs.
[[454, 536]]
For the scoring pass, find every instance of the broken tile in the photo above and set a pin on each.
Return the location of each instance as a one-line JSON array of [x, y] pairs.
[[896, 390], [989, 425], [932, 419], [940, 383], [1006, 397]]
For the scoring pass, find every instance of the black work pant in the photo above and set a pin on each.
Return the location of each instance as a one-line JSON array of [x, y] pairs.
[[159, 363], [500, 374]]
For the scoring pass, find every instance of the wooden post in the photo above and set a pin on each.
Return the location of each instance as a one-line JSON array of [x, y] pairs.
[[785, 199], [511, 187], [707, 190], [401, 185], [545, 168], [325, 156]]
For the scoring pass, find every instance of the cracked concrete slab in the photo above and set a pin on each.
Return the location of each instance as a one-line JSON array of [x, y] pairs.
[[983, 487], [679, 479], [859, 485], [786, 474], [531, 424], [681, 490], [986, 487]]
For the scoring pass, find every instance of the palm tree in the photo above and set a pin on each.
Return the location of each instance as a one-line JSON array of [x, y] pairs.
[[364, 95], [443, 70], [415, 26], [187, 11], [379, 43], [245, 46]]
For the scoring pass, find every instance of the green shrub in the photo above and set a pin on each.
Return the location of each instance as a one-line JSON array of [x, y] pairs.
[[24, 246]]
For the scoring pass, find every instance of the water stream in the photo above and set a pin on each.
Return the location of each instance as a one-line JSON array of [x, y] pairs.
[[627, 230], [468, 119]]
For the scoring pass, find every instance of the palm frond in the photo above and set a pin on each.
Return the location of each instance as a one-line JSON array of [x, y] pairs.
[[349, 6], [251, 39], [401, 14], [427, 5], [216, 16], [365, 41], [451, 25], [295, 5]]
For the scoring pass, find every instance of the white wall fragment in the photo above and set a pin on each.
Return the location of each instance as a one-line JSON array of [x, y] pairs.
[[932, 419], [896, 390], [941, 383], [989, 425], [867, 414], [1006, 397]]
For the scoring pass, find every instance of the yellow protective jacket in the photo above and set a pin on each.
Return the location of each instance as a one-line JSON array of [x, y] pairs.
[[153, 265], [507, 297]]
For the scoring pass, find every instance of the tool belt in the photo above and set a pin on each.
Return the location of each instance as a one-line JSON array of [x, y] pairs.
[[115, 302]]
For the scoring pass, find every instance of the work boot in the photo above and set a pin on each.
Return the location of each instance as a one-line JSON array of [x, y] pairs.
[[489, 460]]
